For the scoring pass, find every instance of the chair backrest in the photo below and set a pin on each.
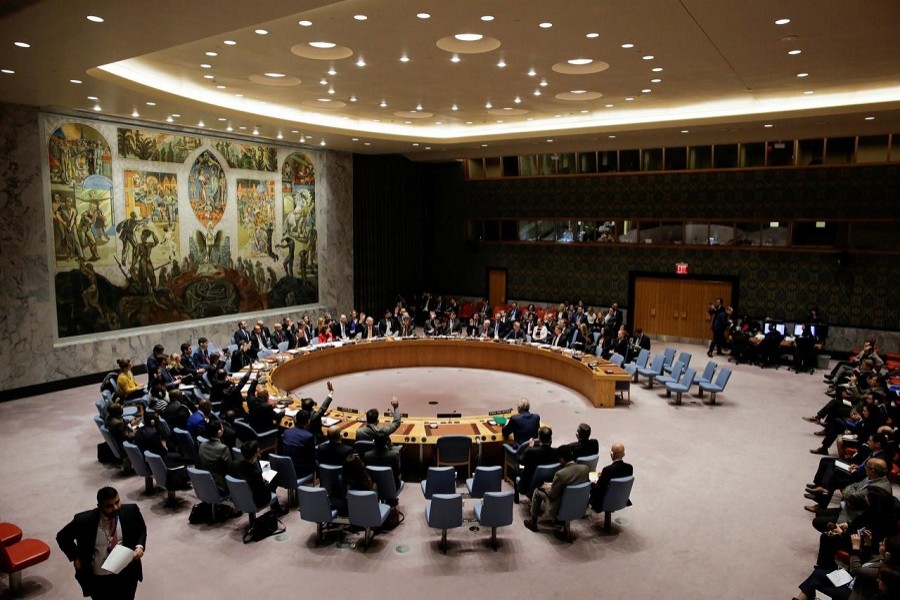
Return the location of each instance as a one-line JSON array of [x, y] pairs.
[[542, 474], [657, 365], [332, 479], [137, 460], [362, 507], [709, 371], [241, 495], [108, 438], [164, 430], [440, 480], [454, 448], [314, 505], [591, 461], [642, 357], [98, 421], [722, 379], [285, 474], [617, 359], [204, 486], [685, 357], [264, 352], [617, 495], [668, 356], [186, 445], [574, 501], [486, 479], [363, 446], [497, 509], [688, 378], [383, 478], [232, 348], [677, 370], [283, 346], [158, 467], [101, 406], [236, 454], [446, 511]]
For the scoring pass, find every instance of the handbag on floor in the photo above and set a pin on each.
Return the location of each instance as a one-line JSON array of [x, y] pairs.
[[265, 525]]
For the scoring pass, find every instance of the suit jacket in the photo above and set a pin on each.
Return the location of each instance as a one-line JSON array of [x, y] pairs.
[[216, 457], [614, 470], [176, 415], [200, 358], [558, 340], [251, 473], [300, 445], [315, 420], [386, 459], [336, 330], [376, 332], [583, 448], [333, 454], [522, 427], [383, 325], [513, 335], [367, 431], [860, 489], [570, 474], [77, 540], [533, 457], [241, 335]]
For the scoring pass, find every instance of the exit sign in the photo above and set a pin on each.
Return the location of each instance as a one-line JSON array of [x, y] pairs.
[[681, 268]]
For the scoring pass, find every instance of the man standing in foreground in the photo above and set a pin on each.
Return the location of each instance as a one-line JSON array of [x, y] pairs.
[[91, 536]]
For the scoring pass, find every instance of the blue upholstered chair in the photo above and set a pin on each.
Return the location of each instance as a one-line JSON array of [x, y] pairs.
[[140, 466], [708, 372], [718, 386], [366, 511], [591, 461], [242, 497], [495, 510], [653, 371], [617, 498], [205, 489], [445, 511], [573, 505], [385, 486], [639, 363], [161, 475], [316, 508], [681, 386], [286, 476], [439, 480], [486, 479], [542, 474]]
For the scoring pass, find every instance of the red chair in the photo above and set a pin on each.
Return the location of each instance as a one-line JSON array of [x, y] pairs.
[[19, 556], [466, 313], [9, 534]]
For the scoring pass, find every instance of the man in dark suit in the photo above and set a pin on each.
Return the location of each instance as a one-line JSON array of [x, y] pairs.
[[215, 456], [370, 330], [454, 325], [616, 469], [639, 342], [300, 445], [571, 473], [559, 338], [367, 432], [91, 535], [583, 444], [241, 335], [383, 456], [536, 453], [334, 451], [258, 341], [340, 329], [613, 318], [389, 325], [315, 416], [516, 333], [522, 426], [201, 354], [248, 469]]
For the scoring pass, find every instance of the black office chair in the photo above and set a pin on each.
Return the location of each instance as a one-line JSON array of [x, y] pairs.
[[805, 355]]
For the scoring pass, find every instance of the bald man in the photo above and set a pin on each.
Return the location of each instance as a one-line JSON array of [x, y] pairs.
[[334, 451], [617, 468]]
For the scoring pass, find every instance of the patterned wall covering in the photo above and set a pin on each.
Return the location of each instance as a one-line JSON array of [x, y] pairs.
[[857, 290]]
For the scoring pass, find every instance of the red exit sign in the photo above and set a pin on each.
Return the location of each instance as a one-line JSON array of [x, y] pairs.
[[681, 268]]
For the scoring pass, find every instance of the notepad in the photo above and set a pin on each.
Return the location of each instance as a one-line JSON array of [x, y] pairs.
[[118, 559], [500, 420], [840, 577], [329, 421]]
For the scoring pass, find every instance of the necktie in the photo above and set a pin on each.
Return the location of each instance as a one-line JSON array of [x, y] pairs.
[[112, 534]]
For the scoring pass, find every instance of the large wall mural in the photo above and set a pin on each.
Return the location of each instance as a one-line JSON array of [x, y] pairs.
[[197, 229]]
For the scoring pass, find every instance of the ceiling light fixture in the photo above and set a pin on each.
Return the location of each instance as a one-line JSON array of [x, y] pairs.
[[545, 25], [488, 105], [205, 66], [274, 75], [230, 43], [629, 98], [592, 35], [303, 139], [97, 108], [383, 104], [487, 17], [501, 63], [802, 74], [454, 58], [612, 137], [151, 104], [782, 21], [220, 87], [609, 105], [201, 124], [468, 37], [794, 52], [543, 83], [768, 125], [331, 90], [229, 128], [304, 23], [22, 44], [169, 119], [580, 61], [360, 62], [176, 115], [870, 118], [656, 80], [419, 106], [648, 57], [256, 130], [323, 81], [518, 100], [222, 119], [209, 77], [76, 81], [332, 72], [261, 32], [135, 113], [454, 107], [322, 143], [685, 131], [808, 93], [212, 54], [628, 45], [404, 59], [94, 19], [323, 45], [537, 92], [280, 136], [360, 17], [657, 69], [353, 98], [646, 91], [93, 98], [532, 72], [423, 15]]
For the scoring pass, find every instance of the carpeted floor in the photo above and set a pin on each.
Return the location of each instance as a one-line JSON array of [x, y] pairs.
[[718, 505]]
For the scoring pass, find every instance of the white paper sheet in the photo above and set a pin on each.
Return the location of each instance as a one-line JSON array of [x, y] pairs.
[[118, 559], [269, 475], [840, 577]]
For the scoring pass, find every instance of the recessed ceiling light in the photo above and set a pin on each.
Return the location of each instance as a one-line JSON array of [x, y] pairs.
[[404, 59], [609, 105], [135, 113], [423, 15], [501, 63], [205, 66], [580, 61], [468, 37], [280, 136], [454, 58], [209, 77], [332, 72], [255, 130], [518, 100], [768, 125], [370, 143], [657, 69], [352, 98], [419, 106], [543, 83], [97, 108], [304, 23], [322, 143], [488, 105], [176, 115], [261, 32], [415, 144], [383, 104], [612, 137], [549, 141], [454, 107], [794, 52], [578, 91], [151, 104], [685, 131], [592, 35], [74, 81], [545, 25], [360, 17], [331, 90], [870, 118], [274, 75], [656, 80], [222, 119], [532, 72], [323, 45], [213, 54], [648, 57], [94, 19], [323, 81], [22, 44], [354, 139], [169, 119], [628, 45], [242, 127], [802, 74], [360, 62], [808, 92], [220, 87], [93, 98], [537, 92], [323, 99], [646, 91], [629, 98], [484, 145], [201, 124], [487, 17], [230, 43], [782, 21]]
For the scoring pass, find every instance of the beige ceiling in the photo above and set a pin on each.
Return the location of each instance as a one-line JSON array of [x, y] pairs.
[[726, 71]]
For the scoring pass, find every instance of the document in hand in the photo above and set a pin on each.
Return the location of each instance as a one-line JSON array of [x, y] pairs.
[[840, 577], [269, 475], [842, 465], [118, 559]]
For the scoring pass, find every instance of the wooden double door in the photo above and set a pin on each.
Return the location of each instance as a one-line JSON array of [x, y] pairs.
[[677, 307]]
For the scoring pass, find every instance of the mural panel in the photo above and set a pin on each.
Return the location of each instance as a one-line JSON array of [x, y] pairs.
[[155, 145], [248, 156], [136, 272]]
